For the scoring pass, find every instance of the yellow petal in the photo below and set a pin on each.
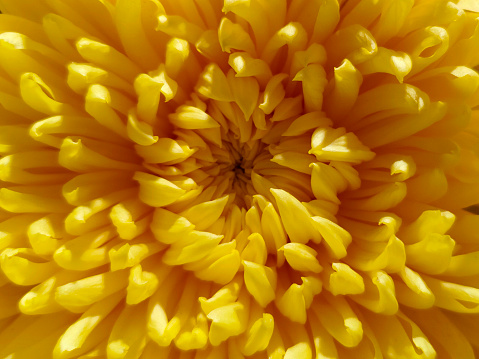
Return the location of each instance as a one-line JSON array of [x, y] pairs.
[[410, 343], [353, 42], [273, 94], [128, 255], [149, 88], [335, 145], [221, 270], [379, 295], [324, 344], [168, 227], [293, 35], [177, 26], [165, 150], [43, 199], [463, 265], [140, 132], [272, 228], [128, 336], [84, 292], [396, 63], [431, 255], [125, 217], [336, 238], [81, 76], [107, 57], [205, 214], [344, 280], [296, 219], [44, 234], [197, 338], [339, 319], [101, 103], [225, 295], [245, 65], [347, 81], [455, 297], [453, 342], [192, 118], [213, 84], [40, 97], [255, 251], [307, 122], [157, 191], [390, 256], [430, 221], [260, 282], [301, 257], [142, 285], [21, 270], [413, 290], [87, 330], [258, 336], [130, 29], [227, 321], [392, 18], [11, 295], [468, 5], [194, 246], [41, 298], [294, 302], [86, 251], [245, 93], [313, 78], [300, 350], [326, 20], [232, 36], [378, 198], [76, 156]]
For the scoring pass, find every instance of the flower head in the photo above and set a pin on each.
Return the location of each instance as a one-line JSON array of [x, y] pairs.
[[247, 178]]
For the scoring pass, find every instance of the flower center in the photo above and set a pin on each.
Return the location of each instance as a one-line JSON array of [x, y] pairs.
[[243, 157]]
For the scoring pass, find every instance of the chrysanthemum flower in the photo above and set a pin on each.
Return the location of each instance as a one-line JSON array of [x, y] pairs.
[[247, 178]]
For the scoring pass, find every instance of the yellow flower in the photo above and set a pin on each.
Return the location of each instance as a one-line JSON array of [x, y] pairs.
[[247, 178]]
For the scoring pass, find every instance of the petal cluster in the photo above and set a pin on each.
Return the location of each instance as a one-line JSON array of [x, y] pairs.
[[233, 179]]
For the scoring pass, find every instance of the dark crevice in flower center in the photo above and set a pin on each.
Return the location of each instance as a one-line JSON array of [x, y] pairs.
[[238, 169], [238, 164], [242, 173], [242, 176]]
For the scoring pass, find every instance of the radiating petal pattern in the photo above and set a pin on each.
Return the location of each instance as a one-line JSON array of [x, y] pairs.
[[239, 179]]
